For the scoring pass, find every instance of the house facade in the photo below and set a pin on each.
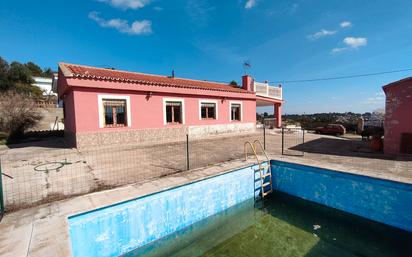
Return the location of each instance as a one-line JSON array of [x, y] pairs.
[[398, 117], [106, 107]]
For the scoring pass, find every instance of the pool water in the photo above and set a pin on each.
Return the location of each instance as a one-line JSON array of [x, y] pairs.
[[282, 225]]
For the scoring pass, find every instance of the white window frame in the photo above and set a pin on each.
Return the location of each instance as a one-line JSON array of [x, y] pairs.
[[100, 99], [230, 110], [206, 101], [181, 100]]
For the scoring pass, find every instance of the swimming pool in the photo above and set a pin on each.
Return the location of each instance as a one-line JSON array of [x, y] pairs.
[[200, 210]]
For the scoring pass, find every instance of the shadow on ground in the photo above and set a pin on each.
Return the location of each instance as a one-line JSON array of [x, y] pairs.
[[340, 146], [51, 142]]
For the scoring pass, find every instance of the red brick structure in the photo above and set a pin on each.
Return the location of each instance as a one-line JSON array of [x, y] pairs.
[[398, 117]]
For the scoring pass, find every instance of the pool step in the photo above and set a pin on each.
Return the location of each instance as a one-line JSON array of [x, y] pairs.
[[266, 184], [267, 174]]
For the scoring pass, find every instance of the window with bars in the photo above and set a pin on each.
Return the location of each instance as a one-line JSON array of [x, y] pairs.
[[173, 112], [114, 113], [235, 112], [208, 111]]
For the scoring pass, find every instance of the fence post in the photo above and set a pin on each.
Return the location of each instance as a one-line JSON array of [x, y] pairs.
[[264, 135], [187, 152], [283, 140], [303, 142], [1, 194]]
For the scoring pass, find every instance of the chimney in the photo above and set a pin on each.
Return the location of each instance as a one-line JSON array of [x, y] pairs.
[[173, 73], [247, 83]]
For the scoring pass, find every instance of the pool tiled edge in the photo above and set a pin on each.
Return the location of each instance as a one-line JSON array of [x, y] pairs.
[[42, 231], [138, 222], [384, 201]]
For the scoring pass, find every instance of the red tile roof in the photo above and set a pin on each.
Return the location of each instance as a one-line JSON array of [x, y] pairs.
[[87, 72]]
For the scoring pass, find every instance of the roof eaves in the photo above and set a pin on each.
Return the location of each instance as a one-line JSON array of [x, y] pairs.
[[397, 82], [65, 70], [145, 82]]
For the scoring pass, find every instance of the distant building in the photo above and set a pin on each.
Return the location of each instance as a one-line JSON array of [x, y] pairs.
[[398, 117], [108, 107], [44, 84]]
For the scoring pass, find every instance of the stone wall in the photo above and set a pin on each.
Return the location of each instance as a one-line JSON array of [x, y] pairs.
[[154, 135], [139, 136], [48, 121], [210, 130]]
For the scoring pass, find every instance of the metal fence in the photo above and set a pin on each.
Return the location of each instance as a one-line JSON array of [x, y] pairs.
[[36, 174], [1, 195], [292, 137]]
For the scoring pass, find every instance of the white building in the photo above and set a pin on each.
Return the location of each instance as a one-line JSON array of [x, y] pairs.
[[44, 84]]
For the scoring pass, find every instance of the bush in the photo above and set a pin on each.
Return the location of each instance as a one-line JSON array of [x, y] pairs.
[[18, 112]]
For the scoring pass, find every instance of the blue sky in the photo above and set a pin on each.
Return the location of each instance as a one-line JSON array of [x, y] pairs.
[[206, 39]]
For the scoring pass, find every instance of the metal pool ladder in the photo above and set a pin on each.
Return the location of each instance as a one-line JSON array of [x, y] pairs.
[[265, 171]]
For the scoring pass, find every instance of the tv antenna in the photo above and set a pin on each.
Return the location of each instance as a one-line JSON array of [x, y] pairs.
[[246, 66]]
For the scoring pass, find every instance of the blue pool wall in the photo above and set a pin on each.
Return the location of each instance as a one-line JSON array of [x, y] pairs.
[[118, 229], [385, 201]]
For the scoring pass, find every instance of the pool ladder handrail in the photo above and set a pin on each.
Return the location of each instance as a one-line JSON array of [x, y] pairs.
[[262, 167]]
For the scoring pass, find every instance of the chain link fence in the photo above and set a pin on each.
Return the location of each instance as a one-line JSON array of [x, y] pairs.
[[1, 195], [35, 175]]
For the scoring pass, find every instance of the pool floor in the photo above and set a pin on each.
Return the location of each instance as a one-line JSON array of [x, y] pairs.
[[282, 225]]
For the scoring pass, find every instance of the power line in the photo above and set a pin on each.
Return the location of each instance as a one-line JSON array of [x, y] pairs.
[[340, 77]]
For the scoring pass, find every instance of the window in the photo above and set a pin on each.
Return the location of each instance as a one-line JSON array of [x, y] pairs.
[[173, 112], [208, 111], [235, 112], [114, 113]]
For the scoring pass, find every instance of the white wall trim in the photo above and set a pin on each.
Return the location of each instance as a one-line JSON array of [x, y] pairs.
[[171, 99], [201, 101], [115, 97], [230, 109]]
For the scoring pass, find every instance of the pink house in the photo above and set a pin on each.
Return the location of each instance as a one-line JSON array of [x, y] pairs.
[[105, 106], [398, 117]]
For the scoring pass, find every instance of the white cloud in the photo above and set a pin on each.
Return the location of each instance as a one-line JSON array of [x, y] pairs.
[[351, 43], [201, 12], [136, 28], [127, 4], [250, 4], [294, 8], [321, 33], [345, 24], [339, 49], [355, 42], [378, 99]]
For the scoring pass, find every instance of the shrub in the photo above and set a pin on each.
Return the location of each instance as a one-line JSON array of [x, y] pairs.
[[18, 112]]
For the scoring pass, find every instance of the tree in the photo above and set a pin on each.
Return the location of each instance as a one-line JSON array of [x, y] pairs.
[[4, 68], [18, 113], [19, 73], [18, 77], [233, 83], [47, 73], [34, 69]]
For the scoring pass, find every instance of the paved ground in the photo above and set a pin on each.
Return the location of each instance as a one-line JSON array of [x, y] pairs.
[[46, 171]]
